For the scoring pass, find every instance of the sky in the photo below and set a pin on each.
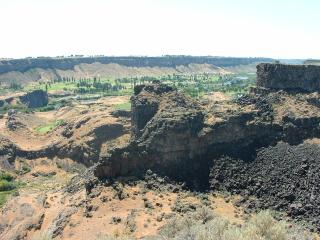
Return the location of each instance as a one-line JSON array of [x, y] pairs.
[[239, 28]]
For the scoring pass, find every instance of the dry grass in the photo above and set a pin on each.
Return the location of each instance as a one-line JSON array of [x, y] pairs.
[[261, 227], [202, 225], [42, 236]]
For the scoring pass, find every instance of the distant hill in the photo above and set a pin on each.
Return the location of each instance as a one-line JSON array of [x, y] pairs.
[[312, 62], [45, 69]]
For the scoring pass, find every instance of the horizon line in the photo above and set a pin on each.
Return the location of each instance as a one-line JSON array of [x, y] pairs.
[[146, 56]]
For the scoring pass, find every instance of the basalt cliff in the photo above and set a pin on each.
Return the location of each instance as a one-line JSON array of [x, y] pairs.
[[263, 144], [175, 134]]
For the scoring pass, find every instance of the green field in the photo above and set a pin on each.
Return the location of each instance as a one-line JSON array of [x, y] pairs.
[[194, 85]]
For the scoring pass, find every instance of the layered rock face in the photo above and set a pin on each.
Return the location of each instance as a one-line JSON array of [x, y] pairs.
[[289, 77], [37, 98], [178, 136]]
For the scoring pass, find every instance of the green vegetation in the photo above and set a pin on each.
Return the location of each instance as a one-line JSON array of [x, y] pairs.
[[6, 176], [49, 127], [4, 196], [196, 85], [25, 169], [47, 108], [18, 107], [15, 86], [122, 106], [86, 89], [84, 86], [7, 186]]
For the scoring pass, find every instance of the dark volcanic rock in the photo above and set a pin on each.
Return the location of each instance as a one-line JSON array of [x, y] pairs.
[[283, 177], [166, 125], [13, 121], [289, 77], [37, 98], [121, 113], [145, 104], [174, 135]]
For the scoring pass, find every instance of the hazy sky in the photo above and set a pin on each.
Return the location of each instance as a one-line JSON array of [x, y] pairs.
[[267, 28]]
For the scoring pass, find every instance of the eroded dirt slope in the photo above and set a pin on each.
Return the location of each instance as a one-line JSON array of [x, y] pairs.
[[77, 131]]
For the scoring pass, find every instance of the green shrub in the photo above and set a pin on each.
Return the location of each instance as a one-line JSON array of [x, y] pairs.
[[25, 169], [6, 185], [6, 176]]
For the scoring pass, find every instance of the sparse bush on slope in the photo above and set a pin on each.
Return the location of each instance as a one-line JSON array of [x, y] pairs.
[[6, 185], [261, 227], [6, 181], [198, 226], [6, 176]]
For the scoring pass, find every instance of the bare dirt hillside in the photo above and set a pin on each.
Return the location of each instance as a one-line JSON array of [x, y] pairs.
[[56, 200], [82, 132], [46, 206], [105, 71]]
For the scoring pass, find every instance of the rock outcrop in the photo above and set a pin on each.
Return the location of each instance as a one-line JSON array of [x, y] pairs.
[[13, 122], [282, 177], [249, 146], [289, 77], [166, 127], [34, 99], [177, 136]]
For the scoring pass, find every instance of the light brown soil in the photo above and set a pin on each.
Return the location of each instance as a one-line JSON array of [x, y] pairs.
[[217, 97], [45, 196], [294, 107], [27, 138], [313, 141]]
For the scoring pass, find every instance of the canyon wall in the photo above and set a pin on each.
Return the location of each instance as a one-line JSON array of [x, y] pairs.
[[289, 77], [22, 65]]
